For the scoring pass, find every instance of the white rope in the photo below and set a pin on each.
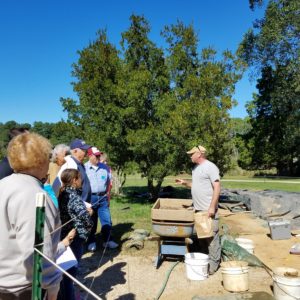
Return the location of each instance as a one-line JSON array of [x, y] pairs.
[[70, 276], [61, 226], [66, 273]]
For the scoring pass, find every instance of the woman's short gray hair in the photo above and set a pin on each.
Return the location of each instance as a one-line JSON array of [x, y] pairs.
[[59, 149]]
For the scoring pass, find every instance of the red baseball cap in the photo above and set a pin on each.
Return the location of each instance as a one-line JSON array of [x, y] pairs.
[[94, 151]]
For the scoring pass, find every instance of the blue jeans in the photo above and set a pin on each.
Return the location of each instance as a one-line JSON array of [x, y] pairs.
[[67, 286], [101, 209]]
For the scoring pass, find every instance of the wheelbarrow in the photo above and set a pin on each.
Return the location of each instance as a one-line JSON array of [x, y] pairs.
[[173, 239], [173, 222]]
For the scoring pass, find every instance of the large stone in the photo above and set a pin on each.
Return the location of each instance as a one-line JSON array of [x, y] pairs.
[[268, 204]]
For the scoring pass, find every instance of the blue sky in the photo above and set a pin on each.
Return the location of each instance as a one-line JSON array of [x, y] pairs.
[[40, 40]]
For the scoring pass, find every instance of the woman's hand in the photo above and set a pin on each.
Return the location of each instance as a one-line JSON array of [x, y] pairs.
[[69, 238], [90, 211]]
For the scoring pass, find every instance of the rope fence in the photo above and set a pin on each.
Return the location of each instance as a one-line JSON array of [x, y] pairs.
[[70, 276], [36, 290]]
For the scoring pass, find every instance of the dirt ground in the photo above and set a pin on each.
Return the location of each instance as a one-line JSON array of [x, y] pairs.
[[129, 275]]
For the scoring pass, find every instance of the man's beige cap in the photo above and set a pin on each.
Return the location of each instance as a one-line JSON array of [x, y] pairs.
[[199, 148]]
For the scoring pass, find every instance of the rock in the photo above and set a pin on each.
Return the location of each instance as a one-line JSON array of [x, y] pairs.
[[268, 203]]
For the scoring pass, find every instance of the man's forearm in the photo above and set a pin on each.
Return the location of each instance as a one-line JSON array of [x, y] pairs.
[[184, 182], [188, 184], [216, 194]]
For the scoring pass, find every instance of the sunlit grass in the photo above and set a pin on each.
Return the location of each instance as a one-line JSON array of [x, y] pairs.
[[231, 182], [132, 210]]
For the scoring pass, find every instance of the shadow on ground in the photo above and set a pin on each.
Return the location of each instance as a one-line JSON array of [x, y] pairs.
[[139, 194], [110, 277]]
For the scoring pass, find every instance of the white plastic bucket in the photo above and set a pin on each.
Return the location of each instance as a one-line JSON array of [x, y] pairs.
[[286, 283], [196, 265], [235, 276], [246, 244]]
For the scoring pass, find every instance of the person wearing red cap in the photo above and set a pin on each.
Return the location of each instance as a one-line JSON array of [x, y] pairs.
[[100, 177]]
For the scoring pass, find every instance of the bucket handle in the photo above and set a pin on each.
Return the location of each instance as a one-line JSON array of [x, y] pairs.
[[297, 298], [244, 269]]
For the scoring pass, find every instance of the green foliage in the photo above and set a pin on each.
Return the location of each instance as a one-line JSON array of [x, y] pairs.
[[254, 3], [63, 133], [100, 115], [274, 40], [202, 90], [57, 133], [183, 57], [147, 83], [273, 48], [44, 129], [4, 138], [146, 106], [239, 128], [275, 117]]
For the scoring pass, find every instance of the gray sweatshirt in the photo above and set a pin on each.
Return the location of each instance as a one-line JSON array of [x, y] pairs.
[[17, 233]]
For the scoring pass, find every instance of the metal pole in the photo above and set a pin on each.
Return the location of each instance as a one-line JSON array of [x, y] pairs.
[[39, 239]]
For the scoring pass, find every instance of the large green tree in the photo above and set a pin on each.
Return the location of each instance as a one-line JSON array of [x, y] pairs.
[[147, 87], [146, 106], [272, 47], [182, 100]]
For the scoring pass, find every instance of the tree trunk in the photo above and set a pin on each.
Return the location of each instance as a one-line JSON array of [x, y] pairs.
[[118, 181], [154, 189]]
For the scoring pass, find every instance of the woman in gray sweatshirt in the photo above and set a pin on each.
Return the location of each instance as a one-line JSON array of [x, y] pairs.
[[28, 155]]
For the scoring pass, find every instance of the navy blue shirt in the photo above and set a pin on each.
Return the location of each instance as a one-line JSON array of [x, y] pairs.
[[86, 186]]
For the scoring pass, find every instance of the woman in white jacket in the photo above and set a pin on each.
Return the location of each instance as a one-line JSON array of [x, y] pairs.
[[28, 155]]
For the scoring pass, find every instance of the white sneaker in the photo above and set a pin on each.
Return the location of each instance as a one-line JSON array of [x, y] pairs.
[[92, 247], [110, 245]]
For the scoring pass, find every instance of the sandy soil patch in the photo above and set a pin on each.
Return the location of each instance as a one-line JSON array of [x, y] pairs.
[[129, 275]]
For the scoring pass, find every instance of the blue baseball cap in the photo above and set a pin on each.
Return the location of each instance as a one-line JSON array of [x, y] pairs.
[[77, 143]]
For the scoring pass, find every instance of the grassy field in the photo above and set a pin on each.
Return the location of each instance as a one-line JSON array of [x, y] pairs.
[[133, 209], [231, 182]]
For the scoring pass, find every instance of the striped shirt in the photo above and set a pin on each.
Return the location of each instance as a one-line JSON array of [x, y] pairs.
[[99, 177]]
